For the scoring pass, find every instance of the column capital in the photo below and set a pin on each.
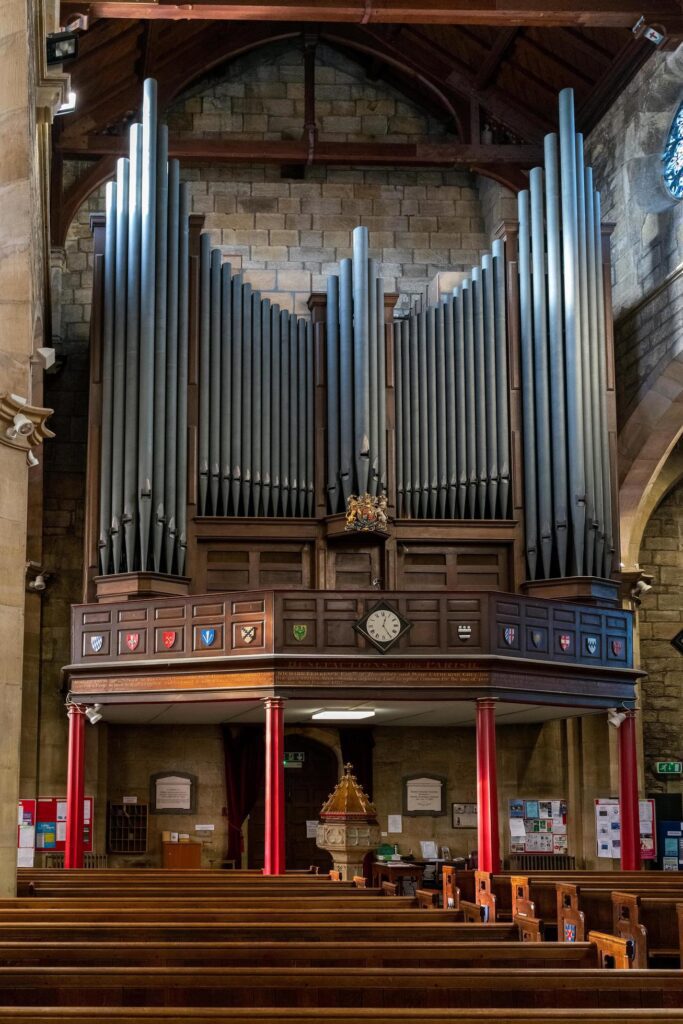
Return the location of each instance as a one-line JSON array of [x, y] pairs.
[[487, 702], [274, 702], [75, 709]]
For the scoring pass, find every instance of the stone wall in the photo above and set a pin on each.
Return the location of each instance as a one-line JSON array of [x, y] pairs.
[[625, 150], [660, 619]]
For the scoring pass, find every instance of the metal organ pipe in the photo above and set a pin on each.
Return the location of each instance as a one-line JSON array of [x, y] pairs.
[[556, 353], [107, 377], [572, 329], [160, 366], [170, 400], [147, 300], [528, 389], [145, 327], [540, 370], [119, 386], [130, 470], [204, 366], [563, 343], [332, 366], [183, 347]]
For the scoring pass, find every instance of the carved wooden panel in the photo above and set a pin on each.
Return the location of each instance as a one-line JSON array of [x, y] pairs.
[[443, 566], [254, 565], [355, 564]]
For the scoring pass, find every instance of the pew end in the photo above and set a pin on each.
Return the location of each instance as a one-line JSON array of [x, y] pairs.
[[614, 952]]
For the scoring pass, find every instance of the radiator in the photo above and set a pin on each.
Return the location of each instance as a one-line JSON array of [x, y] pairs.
[[542, 862]]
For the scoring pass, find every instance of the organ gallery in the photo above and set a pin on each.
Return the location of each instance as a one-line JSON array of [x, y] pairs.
[[340, 420]]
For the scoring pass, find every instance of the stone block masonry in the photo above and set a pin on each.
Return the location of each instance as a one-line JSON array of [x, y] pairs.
[[660, 619]]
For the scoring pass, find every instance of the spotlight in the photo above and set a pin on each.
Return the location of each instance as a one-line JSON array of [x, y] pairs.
[[31, 459], [93, 714], [69, 106], [38, 584], [61, 47], [641, 588], [21, 425], [615, 717]]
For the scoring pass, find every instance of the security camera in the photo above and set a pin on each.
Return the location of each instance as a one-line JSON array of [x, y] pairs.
[[38, 584], [615, 717], [32, 459], [93, 714]]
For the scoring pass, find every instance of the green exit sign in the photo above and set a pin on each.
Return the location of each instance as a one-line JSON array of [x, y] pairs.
[[669, 767]]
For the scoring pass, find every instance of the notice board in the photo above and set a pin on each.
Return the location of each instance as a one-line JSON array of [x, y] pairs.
[[41, 826], [608, 828], [537, 826]]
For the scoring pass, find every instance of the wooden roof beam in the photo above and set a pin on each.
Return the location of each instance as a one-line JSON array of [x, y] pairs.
[[501, 13], [224, 149], [488, 70]]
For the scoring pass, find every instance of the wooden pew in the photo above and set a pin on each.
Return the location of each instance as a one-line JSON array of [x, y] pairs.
[[421, 928], [270, 987], [477, 952], [304, 914], [651, 922], [334, 1015], [646, 916], [541, 889]]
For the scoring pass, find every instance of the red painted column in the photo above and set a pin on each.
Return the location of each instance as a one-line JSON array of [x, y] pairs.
[[628, 794], [75, 788], [274, 856], [488, 848]]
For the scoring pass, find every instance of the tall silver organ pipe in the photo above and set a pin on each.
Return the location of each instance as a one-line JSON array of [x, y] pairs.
[[451, 380], [356, 379], [255, 399], [143, 459], [568, 507]]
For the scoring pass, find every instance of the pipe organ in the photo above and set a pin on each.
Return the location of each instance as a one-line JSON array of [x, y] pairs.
[[219, 406], [256, 429], [356, 378], [143, 453], [452, 410], [567, 483]]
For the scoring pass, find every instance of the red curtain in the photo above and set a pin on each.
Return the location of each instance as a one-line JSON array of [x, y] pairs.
[[245, 754]]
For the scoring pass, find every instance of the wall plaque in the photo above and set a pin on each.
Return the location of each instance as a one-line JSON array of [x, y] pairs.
[[424, 794], [173, 793]]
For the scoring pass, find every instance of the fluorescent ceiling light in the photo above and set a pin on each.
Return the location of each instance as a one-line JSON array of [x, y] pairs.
[[341, 714]]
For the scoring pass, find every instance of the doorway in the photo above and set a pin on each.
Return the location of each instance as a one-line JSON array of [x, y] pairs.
[[306, 790]]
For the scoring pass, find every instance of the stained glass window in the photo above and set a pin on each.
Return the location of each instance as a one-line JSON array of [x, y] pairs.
[[673, 156]]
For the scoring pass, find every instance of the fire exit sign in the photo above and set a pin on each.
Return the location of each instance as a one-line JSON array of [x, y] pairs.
[[669, 767]]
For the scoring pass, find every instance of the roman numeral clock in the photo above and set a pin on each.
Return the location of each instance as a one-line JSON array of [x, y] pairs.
[[383, 626]]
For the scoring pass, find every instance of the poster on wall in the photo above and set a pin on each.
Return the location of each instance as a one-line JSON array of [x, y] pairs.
[[464, 815], [41, 825], [608, 828], [537, 826]]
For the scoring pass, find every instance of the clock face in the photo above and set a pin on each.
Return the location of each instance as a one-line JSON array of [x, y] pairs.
[[383, 626]]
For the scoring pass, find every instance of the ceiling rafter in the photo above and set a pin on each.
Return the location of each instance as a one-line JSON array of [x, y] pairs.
[[488, 70], [546, 13]]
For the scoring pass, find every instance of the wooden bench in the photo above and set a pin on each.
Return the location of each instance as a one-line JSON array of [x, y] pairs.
[[420, 928], [348, 954], [366, 987], [647, 917], [334, 1015]]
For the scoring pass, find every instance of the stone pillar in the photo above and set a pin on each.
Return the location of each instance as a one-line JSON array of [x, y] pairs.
[[20, 262]]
